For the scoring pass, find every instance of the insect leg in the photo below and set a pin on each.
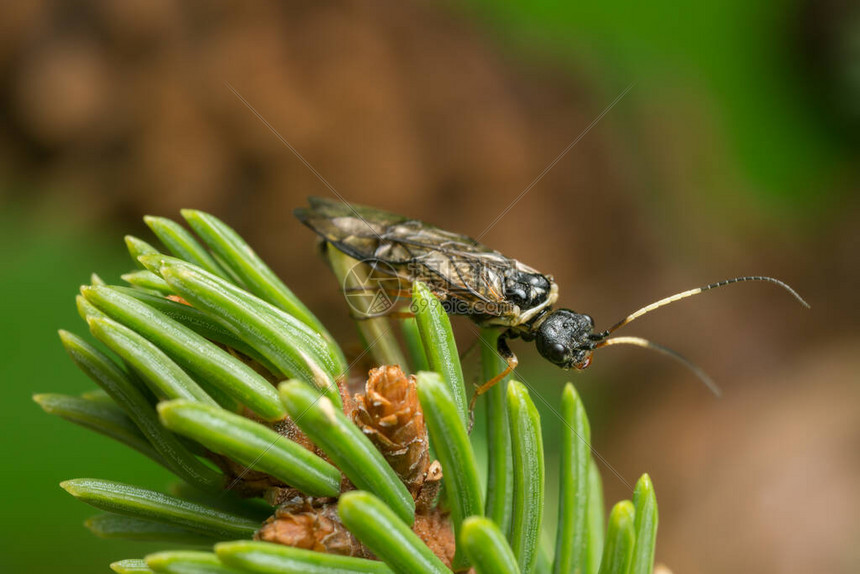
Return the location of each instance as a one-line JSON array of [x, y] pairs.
[[512, 361]]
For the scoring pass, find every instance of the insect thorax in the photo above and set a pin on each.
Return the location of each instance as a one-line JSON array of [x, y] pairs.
[[530, 295], [527, 290]]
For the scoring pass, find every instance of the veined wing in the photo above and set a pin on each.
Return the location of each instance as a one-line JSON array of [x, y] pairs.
[[453, 266]]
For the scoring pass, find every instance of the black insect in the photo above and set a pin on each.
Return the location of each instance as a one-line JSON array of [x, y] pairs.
[[476, 281]]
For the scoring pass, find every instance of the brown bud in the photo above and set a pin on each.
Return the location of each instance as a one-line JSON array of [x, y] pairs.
[[390, 415], [435, 530], [425, 498], [302, 524], [313, 524]]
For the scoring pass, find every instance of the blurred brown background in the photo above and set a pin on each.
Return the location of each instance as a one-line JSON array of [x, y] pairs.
[[735, 152]]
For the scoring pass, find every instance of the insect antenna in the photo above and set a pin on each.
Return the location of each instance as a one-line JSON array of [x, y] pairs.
[[646, 344], [683, 295]]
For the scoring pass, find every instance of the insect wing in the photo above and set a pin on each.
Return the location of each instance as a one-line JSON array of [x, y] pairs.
[[458, 269]]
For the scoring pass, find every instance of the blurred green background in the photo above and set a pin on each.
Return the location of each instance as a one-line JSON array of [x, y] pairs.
[[735, 152]]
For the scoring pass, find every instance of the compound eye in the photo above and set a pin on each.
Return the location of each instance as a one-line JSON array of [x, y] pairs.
[[556, 353]]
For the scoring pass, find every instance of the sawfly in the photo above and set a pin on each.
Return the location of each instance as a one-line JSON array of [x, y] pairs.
[[480, 283]]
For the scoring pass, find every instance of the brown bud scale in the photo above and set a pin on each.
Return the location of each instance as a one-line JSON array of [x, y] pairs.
[[390, 415]]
